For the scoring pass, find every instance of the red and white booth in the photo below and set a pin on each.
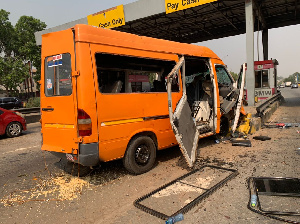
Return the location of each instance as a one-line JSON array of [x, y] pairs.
[[265, 79]]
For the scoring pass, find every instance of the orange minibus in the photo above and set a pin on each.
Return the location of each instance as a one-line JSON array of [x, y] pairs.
[[108, 95]]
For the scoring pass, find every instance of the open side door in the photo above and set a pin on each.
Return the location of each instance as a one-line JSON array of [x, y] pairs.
[[181, 119], [240, 85]]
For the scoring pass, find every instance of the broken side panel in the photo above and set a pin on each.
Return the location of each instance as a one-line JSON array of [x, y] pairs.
[[181, 120]]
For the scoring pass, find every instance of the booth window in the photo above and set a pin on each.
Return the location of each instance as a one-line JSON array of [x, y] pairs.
[[262, 79]]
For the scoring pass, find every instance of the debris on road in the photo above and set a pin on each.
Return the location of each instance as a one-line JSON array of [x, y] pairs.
[[174, 219], [274, 196], [261, 138], [59, 188], [185, 192], [281, 125], [241, 142]]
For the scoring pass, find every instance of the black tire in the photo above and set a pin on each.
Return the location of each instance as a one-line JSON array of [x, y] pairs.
[[140, 155], [13, 129], [76, 169]]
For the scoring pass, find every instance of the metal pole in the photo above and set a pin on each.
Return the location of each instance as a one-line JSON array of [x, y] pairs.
[[265, 40], [250, 78]]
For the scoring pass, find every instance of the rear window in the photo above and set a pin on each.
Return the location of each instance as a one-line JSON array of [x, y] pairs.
[[58, 75]]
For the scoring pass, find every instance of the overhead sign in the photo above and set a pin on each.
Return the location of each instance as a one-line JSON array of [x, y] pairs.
[[177, 5], [109, 18]]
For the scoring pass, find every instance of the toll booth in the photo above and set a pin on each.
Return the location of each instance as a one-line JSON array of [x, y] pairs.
[[265, 79]]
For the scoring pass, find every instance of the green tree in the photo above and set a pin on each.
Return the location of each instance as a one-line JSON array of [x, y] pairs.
[[17, 48], [7, 34], [292, 78], [234, 75], [27, 48], [12, 69], [13, 73]]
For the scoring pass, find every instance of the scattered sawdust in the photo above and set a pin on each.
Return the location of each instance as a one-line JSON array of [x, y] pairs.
[[59, 188]]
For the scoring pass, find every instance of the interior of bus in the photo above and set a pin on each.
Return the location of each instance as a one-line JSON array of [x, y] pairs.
[[119, 74]]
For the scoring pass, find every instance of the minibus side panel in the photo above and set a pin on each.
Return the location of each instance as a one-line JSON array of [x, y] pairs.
[[124, 115], [86, 89], [58, 93]]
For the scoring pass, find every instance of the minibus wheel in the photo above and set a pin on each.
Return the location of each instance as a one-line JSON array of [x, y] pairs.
[[140, 155]]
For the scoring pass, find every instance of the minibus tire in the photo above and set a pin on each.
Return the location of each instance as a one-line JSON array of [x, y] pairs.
[[140, 155], [76, 169]]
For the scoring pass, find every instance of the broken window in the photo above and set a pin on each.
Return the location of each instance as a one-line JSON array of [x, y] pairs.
[[222, 75], [127, 74], [225, 82]]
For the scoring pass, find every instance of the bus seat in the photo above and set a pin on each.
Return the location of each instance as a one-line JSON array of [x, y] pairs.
[[117, 87], [114, 88]]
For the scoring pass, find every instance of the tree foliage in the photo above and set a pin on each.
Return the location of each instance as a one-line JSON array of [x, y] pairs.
[[17, 47], [27, 48], [13, 73], [7, 34], [234, 75], [292, 78]]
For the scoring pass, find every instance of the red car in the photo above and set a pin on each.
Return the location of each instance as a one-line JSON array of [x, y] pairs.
[[11, 123]]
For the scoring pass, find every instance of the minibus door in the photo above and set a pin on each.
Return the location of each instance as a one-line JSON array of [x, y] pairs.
[[59, 97], [240, 86], [181, 119]]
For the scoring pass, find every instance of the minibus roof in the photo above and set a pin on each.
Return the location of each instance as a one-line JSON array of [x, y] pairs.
[[91, 34]]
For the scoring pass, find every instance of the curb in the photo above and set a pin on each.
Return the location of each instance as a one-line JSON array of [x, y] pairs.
[[32, 118]]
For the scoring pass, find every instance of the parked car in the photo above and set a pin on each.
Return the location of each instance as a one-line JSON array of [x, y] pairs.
[[11, 123], [281, 86], [294, 85], [10, 102]]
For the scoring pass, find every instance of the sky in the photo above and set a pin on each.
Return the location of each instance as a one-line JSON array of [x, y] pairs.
[[284, 44]]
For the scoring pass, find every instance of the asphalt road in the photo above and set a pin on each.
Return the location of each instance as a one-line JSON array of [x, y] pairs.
[[34, 188]]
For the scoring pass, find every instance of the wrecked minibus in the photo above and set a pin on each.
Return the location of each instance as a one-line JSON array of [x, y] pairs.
[[108, 95]]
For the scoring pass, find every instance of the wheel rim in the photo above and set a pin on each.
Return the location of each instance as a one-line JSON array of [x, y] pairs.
[[14, 129], [142, 155]]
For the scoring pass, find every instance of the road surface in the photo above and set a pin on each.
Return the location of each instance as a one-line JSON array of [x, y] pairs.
[[34, 188]]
